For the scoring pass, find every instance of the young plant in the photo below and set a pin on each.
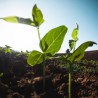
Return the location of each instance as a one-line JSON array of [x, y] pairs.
[[76, 55], [26, 53], [7, 49], [49, 44]]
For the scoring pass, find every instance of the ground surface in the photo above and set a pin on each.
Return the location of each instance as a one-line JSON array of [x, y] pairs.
[[21, 81]]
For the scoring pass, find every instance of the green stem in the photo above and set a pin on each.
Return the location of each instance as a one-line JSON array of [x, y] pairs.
[[44, 58], [69, 87], [38, 34]]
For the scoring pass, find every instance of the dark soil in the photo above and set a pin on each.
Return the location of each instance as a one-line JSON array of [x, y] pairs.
[[22, 81]]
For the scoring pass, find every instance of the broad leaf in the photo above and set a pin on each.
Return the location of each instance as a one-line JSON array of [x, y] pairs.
[[35, 57], [75, 33], [52, 41], [37, 16], [15, 19], [79, 52]]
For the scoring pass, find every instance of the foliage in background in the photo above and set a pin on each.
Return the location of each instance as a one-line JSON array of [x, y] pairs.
[[7, 49]]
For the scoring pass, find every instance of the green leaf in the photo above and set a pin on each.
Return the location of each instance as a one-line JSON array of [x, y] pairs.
[[72, 44], [35, 57], [75, 33], [15, 19], [37, 16], [7, 50], [79, 52], [52, 41]]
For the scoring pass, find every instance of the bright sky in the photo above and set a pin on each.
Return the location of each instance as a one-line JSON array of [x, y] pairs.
[[56, 13]]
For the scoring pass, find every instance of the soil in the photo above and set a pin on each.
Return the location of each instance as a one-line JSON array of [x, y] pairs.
[[22, 81]]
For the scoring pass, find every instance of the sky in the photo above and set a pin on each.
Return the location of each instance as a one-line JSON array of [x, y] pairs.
[[55, 12]]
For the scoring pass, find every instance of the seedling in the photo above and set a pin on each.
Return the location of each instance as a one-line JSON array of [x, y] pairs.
[[76, 55], [49, 44], [7, 49], [27, 53]]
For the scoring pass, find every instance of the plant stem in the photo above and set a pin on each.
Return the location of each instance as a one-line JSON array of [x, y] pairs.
[[44, 58], [69, 87], [38, 34]]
